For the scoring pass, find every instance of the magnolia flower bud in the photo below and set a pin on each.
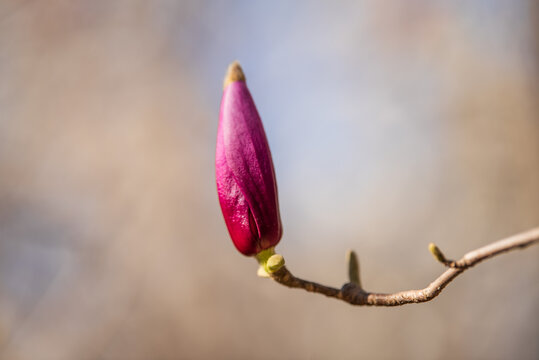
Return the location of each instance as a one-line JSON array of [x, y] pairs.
[[244, 170]]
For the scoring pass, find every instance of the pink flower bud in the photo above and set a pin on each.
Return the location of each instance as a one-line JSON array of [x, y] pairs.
[[244, 170]]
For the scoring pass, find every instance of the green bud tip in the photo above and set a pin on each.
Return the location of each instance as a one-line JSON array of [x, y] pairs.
[[353, 267], [269, 262], [262, 258], [437, 253], [275, 262]]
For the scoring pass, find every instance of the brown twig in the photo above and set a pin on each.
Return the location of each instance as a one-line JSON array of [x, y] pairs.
[[353, 293]]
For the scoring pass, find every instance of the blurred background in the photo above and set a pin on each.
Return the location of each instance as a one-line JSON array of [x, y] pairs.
[[392, 124]]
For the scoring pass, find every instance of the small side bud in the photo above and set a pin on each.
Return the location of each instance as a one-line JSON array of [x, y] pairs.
[[437, 253], [262, 257], [275, 262], [353, 267]]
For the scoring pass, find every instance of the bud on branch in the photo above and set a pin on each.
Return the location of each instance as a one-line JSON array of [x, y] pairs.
[[248, 196]]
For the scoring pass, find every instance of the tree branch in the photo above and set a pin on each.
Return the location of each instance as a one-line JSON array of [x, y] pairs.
[[353, 293]]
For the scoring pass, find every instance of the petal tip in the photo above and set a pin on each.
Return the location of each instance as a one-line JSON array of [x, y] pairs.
[[233, 73]]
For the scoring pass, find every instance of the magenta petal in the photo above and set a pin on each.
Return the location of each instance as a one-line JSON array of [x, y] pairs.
[[244, 171]]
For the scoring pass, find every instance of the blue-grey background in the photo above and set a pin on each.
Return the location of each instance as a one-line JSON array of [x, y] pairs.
[[392, 124]]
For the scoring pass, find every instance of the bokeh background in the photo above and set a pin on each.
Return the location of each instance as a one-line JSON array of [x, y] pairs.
[[392, 124]]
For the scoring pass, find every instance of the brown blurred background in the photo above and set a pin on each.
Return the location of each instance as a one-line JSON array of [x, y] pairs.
[[392, 124]]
